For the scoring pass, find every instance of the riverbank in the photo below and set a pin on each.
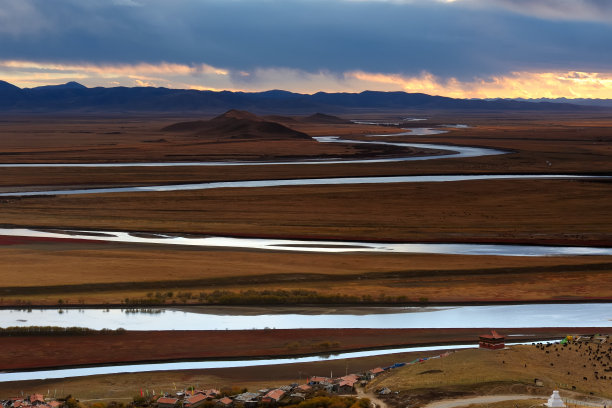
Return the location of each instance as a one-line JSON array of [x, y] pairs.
[[63, 351], [138, 272]]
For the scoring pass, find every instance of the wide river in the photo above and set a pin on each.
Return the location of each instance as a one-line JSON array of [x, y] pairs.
[[240, 318], [541, 315]]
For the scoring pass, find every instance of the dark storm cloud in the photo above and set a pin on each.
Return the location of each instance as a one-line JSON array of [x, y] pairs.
[[461, 39]]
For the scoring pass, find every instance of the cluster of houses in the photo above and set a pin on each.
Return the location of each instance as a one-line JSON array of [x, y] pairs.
[[193, 398], [34, 400], [287, 394]]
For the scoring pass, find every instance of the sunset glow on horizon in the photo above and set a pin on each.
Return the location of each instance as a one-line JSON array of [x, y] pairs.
[[459, 49], [572, 84]]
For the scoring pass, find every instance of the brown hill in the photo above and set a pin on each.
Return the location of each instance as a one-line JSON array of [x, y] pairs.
[[235, 124], [325, 119]]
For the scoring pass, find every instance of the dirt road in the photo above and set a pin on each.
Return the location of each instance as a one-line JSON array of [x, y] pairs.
[[460, 402]]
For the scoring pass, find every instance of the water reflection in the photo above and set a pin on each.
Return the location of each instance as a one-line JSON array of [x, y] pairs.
[[245, 318], [313, 246]]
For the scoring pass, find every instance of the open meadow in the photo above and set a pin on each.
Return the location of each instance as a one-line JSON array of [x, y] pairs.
[[68, 272], [547, 212]]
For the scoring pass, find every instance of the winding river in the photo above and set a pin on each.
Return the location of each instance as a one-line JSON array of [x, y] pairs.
[[199, 365], [310, 245], [450, 151], [558, 315]]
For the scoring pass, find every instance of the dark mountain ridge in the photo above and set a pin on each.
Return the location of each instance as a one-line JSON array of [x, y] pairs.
[[73, 97]]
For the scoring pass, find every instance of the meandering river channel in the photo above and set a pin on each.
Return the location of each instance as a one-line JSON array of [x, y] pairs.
[[539, 315], [310, 245]]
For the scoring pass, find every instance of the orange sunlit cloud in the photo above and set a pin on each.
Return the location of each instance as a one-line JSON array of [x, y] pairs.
[[34, 73], [569, 84]]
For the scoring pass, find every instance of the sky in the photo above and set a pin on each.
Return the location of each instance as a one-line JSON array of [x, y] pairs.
[[456, 48]]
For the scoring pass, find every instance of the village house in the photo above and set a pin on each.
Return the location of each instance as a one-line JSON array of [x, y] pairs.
[[346, 384], [225, 402], [375, 372], [304, 387], [194, 401], [248, 399], [319, 381], [298, 395], [273, 396]]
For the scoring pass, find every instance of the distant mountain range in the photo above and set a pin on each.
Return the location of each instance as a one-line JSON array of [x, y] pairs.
[[577, 101], [74, 97]]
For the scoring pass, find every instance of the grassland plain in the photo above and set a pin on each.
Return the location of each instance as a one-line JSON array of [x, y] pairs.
[[473, 371], [35, 351], [128, 385], [464, 373], [506, 211]]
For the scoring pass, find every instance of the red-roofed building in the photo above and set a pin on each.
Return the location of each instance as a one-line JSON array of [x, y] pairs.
[[319, 380], [346, 386], [37, 399], [273, 396], [194, 401], [493, 341], [351, 377], [54, 404], [304, 387], [375, 371], [225, 402], [166, 402]]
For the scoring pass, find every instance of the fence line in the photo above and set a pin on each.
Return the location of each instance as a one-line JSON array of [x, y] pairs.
[[569, 401]]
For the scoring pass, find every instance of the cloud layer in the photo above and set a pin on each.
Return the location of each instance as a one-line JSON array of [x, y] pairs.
[[461, 47]]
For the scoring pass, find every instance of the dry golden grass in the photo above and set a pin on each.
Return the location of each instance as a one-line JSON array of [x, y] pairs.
[[254, 378], [524, 210], [517, 364], [98, 273], [512, 211]]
